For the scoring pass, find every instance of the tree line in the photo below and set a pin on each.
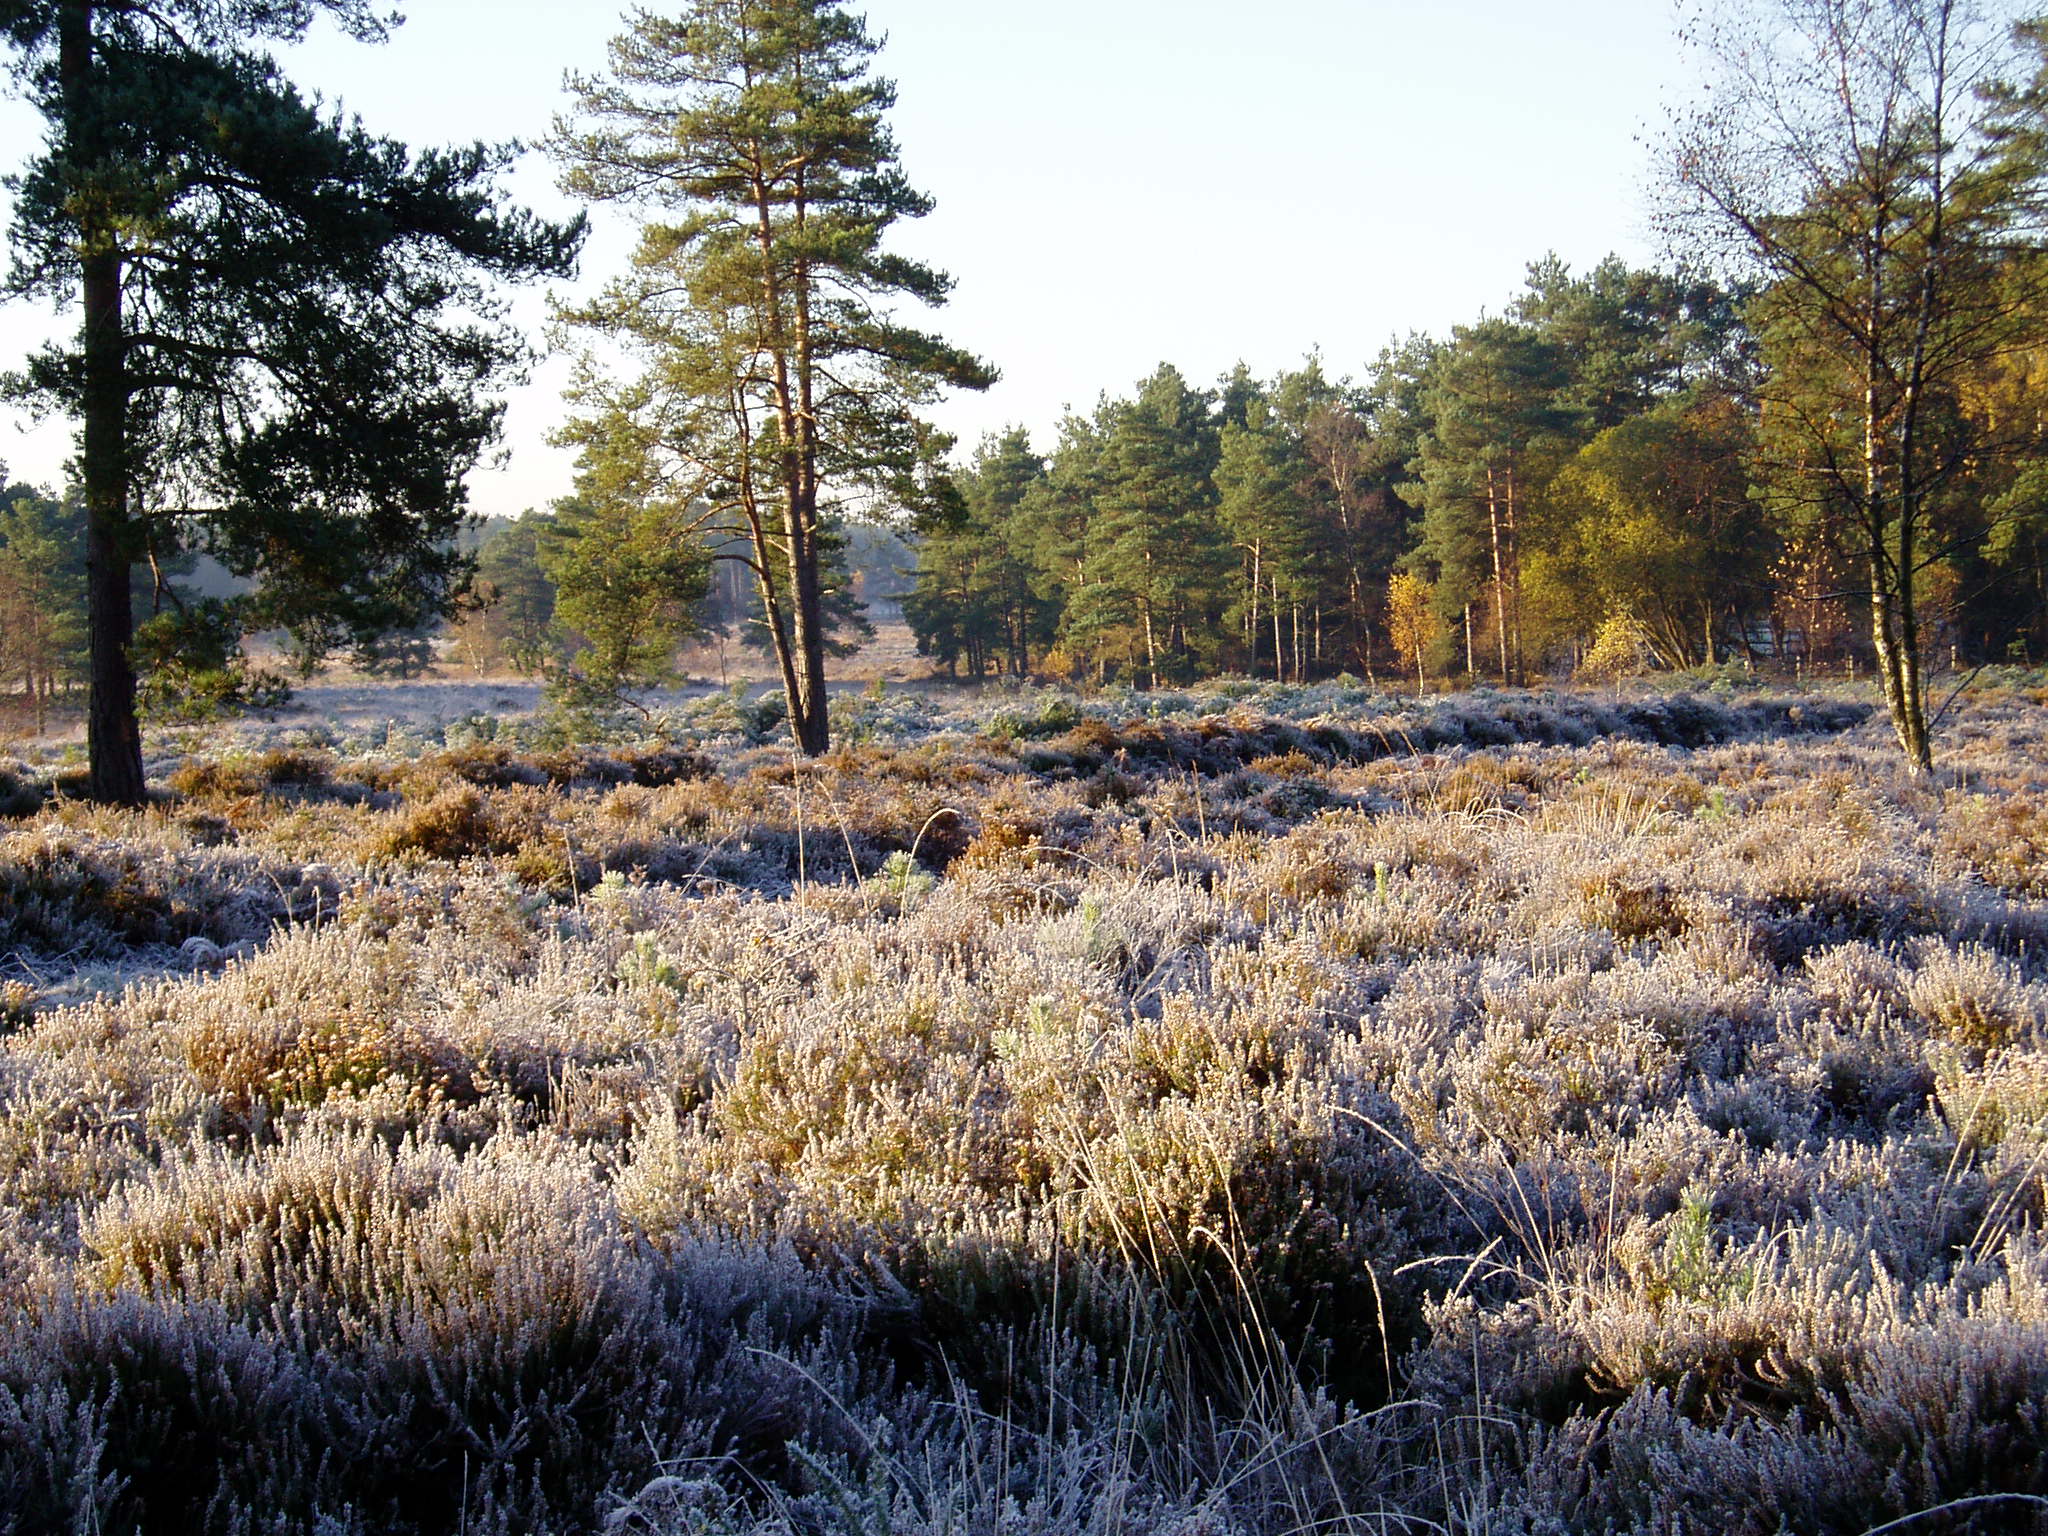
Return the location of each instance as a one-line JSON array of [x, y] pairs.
[[1452, 504], [1592, 476], [42, 597], [1835, 450], [291, 335], [600, 605]]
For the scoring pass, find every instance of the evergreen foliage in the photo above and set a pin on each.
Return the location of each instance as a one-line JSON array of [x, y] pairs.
[[1535, 472], [42, 597], [1261, 480], [627, 581], [1838, 432], [975, 603], [191, 665], [1161, 565], [598, 592], [287, 324], [515, 599], [773, 382], [1600, 458]]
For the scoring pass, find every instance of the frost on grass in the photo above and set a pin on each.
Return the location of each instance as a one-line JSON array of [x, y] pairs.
[[1252, 1115]]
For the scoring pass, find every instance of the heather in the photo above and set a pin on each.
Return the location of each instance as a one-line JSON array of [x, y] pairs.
[[1249, 1110]]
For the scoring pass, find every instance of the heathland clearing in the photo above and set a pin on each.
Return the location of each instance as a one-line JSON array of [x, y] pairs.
[[1246, 1111]]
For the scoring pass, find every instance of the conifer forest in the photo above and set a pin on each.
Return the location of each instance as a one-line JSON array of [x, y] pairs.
[[1452, 941]]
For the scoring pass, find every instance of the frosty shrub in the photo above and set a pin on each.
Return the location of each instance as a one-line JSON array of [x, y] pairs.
[[1251, 1111]]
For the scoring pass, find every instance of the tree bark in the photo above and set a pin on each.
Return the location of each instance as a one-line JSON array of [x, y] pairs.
[[809, 717], [778, 625], [808, 720], [1279, 649], [1514, 583], [1500, 591], [1251, 627], [113, 736], [1895, 635], [1356, 600], [804, 671]]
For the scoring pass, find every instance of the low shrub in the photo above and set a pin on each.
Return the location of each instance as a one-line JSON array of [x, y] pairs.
[[1279, 1110]]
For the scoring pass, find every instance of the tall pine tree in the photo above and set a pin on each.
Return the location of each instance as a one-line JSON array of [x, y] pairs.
[[773, 379], [1493, 397], [1164, 558], [287, 325], [1261, 479], [976, 600]]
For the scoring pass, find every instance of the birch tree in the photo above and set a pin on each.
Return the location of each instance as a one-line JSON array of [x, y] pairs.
[[1859, 160]]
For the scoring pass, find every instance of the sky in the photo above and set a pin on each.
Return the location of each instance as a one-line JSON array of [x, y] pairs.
[[1118, 182]]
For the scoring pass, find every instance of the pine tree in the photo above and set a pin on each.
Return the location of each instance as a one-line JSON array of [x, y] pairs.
[[517, 599], [976, 600], [42, 596], [1164, 561], [1493, 400], [1069, 544], [286, 333], [1261, 477], [627, 580], [1627, 338], [1356, 445], [773, 380]]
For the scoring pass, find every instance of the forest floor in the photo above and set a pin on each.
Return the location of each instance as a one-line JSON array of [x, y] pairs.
[[1240, 1111]]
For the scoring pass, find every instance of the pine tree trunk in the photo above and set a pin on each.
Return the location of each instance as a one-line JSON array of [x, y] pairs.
[[113, 736], [809, 716], [1252, 615], [808, 719], [1279, 648], [771, 611], [1514, 583], [1500, 593], [789, 660], [789, 345]]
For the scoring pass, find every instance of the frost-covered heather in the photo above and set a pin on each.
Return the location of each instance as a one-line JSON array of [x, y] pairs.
[[1255, 1114]]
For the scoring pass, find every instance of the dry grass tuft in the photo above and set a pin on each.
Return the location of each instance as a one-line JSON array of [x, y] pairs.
[[1281, 1112]]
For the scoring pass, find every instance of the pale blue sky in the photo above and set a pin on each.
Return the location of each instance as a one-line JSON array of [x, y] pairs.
[[1121, 182]]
